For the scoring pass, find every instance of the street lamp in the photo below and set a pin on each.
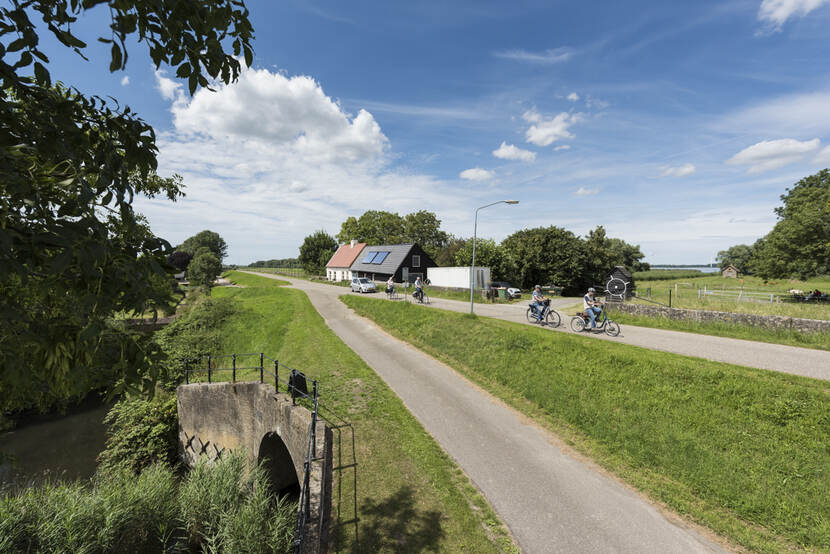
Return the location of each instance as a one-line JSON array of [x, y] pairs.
[[475, 229]]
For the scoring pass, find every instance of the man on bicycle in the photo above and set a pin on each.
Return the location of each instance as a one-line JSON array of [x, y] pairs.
[[592, 306], [419, 288], [538, 302]]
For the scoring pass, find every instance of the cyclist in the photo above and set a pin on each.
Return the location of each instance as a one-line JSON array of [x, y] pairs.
[[419, 289], [390, 285], [538, 302], [592, 306]]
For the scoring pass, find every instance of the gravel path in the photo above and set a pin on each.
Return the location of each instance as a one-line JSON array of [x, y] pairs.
[[551, 500]]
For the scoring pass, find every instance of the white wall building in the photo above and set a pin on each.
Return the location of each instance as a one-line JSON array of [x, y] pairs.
[[338, 267], [457, 277]]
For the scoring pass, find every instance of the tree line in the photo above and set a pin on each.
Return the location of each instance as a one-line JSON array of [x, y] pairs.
[[798, 246], [543, 255]]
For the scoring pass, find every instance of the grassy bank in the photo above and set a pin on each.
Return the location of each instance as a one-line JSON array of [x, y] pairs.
[[410, 496], [742, 451], [684, 294], [819, 341]]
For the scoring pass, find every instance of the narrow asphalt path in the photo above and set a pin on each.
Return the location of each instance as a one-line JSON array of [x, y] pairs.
[[551, 501]]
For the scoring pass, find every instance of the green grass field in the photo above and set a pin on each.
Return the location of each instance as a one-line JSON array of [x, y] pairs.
[[410, 496], [684, 294], [744, 452]]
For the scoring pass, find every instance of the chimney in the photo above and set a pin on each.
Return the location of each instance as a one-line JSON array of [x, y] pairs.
[[353, 243]]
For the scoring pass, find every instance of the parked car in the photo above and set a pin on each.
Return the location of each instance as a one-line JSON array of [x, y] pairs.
[[362, 284], [512, 292]]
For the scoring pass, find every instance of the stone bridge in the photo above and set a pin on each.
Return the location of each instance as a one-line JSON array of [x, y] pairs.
[[216, 418]]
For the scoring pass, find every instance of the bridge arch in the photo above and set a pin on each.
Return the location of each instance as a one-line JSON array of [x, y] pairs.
[[216, 418]]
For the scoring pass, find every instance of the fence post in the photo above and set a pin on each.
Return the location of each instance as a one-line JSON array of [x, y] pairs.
[[234, 368], [314, 422], [186, 372], [209, 368], [669, 298], [276, 376]]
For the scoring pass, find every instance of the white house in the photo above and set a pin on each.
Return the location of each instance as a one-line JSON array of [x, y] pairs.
[[338, 267]]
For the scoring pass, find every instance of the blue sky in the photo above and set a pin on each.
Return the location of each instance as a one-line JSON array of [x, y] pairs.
[[677, 126]]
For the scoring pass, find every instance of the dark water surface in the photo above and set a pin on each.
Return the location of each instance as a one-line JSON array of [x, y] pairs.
[[63, 447]]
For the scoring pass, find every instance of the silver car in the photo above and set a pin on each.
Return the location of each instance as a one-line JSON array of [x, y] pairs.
[[362, 284]]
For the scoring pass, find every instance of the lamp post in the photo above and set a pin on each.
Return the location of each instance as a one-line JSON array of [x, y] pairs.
[[475, 230]]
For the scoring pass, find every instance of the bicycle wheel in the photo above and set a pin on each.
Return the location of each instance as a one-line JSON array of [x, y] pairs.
[[552, 318], [530, 317], [612, 328], [577, 324]]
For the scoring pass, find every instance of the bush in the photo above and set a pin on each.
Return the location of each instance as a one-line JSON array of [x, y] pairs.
[[141, 433]]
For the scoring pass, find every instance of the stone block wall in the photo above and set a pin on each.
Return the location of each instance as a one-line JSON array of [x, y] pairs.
[[755, 320]]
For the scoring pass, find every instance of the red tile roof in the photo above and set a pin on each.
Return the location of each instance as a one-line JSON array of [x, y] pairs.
[[345, 255]]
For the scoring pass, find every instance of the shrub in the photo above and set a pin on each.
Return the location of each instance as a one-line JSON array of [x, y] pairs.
[[141, 433]]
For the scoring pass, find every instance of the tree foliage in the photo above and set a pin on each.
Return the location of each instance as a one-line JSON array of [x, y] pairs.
[[316, 251], [379, 227], [604, 253], [546, 256], [205, 239], [204, 268], [488, 254], [72, 251], [740, 256], [180, 259]]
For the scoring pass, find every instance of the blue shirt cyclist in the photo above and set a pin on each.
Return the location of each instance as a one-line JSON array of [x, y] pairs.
[[538, 301]]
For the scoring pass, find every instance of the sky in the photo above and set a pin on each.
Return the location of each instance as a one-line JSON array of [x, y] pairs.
[[676, 126]]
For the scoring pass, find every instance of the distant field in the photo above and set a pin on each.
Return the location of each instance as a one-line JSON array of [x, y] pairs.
[[684, 294], [664, 274]]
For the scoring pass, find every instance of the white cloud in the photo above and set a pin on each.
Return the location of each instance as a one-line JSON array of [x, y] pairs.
[[592, 103], [270, 159], [170, 89], [512, 152], [125, 80], [562, 147], [679, 171], [823, 157], [544, 132], [551, 56], [777, 12], [582, 191], [573, 97], [784, 115], [771, 154], [476, 174]]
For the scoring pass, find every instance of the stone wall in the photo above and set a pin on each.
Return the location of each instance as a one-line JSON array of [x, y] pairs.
[[215, 418], [766, 321]]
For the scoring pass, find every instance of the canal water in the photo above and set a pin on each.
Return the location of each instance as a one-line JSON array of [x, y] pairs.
[[60, 447]]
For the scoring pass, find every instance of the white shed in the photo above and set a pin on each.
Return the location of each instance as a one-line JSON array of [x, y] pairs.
[[457, 277]]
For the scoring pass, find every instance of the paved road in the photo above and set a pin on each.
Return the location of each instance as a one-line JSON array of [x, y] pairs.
[[551, 501], [762, 355]]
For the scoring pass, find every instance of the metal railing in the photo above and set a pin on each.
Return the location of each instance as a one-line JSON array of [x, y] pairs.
[[296, 385]]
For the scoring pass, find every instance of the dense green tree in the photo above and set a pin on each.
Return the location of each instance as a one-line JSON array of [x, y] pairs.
[[208, 239], [740, 256], [374, 227], [604, 253], [488, 254], [446, 255], [180, 259], [546, 256], [204, 268], [316, 251], [70, 166], [799, 244], [424, 228]]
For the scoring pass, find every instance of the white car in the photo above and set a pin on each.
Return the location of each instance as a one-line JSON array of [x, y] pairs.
[[362, 284]]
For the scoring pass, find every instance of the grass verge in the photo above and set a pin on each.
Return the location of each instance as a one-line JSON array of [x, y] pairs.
[[819, 341], [741, 451], [410, 496]]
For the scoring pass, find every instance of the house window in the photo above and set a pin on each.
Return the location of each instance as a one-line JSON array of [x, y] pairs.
[[416, 261]]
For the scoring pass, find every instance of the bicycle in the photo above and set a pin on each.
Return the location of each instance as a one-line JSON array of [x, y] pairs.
[[549, 316], [392, 293], [581, 320], [422, 298]]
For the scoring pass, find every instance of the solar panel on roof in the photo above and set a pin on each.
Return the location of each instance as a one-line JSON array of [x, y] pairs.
[[380, 257], [369, 257]]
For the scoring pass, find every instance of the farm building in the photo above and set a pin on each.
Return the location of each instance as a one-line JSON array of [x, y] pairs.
[[403, 262], [338, 267], [730, 271], [620, 284]]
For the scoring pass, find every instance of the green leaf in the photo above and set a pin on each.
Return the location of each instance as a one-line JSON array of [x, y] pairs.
[[183, 70], [115, 64], [42, 75]]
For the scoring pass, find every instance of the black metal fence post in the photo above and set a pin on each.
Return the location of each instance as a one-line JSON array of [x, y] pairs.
[[186, 372], [209, 368], [276, 376], [314, 421], [234, 368], [669, 298]]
